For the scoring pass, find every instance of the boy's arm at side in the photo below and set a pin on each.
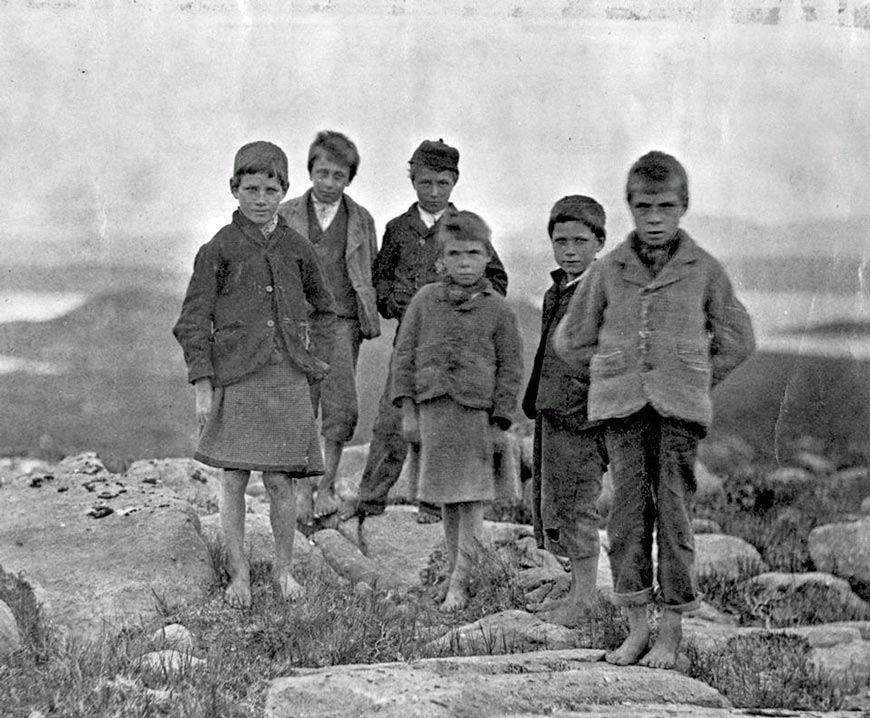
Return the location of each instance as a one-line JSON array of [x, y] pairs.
[[575, 339], [508, 370], [322, 316], [383, 272], [732, 339], [193, 330], [403, 360]]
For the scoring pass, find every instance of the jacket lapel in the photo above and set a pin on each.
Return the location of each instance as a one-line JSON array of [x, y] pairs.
[[675, 269], [295, 211]]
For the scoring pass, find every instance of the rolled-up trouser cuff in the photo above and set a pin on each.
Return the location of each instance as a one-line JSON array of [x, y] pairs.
[[684, 607], [638, 598]]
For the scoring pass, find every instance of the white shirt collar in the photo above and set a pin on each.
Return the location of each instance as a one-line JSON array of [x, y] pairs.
[[324, 211], [428, 218]]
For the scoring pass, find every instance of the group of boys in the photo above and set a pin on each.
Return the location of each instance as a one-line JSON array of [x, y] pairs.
[[630, 347]]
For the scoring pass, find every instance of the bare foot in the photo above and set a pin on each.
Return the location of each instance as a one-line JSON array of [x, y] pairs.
[[289, 587], [441, 589], [238, 593], [630, 650], [570, 614], [663, 654], [325, 504], [548, 605], [348, 498], [304, 502], [455, 600]]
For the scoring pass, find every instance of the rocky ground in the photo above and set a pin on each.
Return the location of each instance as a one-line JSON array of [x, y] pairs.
[[100, 549]]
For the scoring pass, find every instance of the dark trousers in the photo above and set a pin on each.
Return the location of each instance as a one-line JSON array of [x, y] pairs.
[[652, 461], [387, 453]]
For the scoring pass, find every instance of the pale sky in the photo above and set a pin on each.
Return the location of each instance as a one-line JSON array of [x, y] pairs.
[[120, 119]]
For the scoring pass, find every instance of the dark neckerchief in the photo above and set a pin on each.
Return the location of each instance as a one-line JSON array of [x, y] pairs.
[[655, 258]]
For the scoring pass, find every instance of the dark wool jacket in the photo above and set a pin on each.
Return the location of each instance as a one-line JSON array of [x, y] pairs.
[[554, 386], [245, 293], [662, 340], [359, 254], [470, 351], [406, 262]]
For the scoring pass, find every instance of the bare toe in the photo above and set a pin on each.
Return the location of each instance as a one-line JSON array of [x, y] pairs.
[[289, 587], [325, 504], [238, 594]]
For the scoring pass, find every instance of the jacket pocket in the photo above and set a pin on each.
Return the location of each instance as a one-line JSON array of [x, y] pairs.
[[607, 363], [693, 357]]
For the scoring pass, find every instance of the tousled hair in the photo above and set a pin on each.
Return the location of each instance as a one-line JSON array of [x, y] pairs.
[[658, 171], [337, 148]]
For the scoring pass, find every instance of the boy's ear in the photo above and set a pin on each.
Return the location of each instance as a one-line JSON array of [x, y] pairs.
[[234, 187]]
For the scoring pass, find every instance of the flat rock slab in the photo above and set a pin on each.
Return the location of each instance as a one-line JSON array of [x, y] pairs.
[[396, 543], [539, 683], [101, 549]]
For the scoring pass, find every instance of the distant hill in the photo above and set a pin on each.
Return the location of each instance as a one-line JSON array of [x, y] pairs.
[[126, 395]]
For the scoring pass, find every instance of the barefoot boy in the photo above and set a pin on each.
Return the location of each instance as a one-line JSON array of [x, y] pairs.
[[343, 235], [406, 262], [457, 372], [256, 296], [569, 455], [659, 323]]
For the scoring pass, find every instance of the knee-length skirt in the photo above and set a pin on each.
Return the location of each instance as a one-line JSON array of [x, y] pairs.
[[263, 422], [455, 453]]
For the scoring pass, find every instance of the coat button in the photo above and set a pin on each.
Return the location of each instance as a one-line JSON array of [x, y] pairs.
[[270, 323], [269, 288]]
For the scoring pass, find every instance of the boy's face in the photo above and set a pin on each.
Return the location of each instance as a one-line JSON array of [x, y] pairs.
[[328, 179], [433, 188], [259, 196], [464, 261], [656, 214], [574, 247]]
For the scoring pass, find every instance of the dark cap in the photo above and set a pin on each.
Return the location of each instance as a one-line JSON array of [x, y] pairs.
[[579, 208], [436, 155]]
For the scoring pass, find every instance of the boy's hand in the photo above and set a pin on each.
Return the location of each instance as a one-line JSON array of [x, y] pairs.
[[410, 425], [204, 392], [410, 429], [499, 436]]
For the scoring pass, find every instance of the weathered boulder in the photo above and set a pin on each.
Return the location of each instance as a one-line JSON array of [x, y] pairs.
[[786, 482], [504, 632], [174, 637], [705, 526], [397, 543], [827, 589], [345, 558], [842, 549], [100, 546], [169, 661], [193, 481], [726, 556], [10, 636], [531, 684]]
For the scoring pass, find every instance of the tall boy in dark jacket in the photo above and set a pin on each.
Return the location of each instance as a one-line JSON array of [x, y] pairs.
[[569, 458], [407, 261]]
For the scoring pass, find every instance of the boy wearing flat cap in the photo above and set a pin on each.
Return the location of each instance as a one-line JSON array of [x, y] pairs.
[[406, 262], [569, 457]]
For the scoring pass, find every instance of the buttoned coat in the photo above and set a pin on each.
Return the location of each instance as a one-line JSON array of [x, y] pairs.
[[407, 261], [245, 292], [470, 351], [359, 254], [663, 340]]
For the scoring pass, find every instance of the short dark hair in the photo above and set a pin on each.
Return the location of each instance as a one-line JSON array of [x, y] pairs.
[[579, 208], [464, 226], [659, 170], [260, 156], [335, 147]]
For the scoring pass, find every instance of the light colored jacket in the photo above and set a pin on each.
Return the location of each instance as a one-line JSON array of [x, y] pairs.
[[663, 340], [359, 254]]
